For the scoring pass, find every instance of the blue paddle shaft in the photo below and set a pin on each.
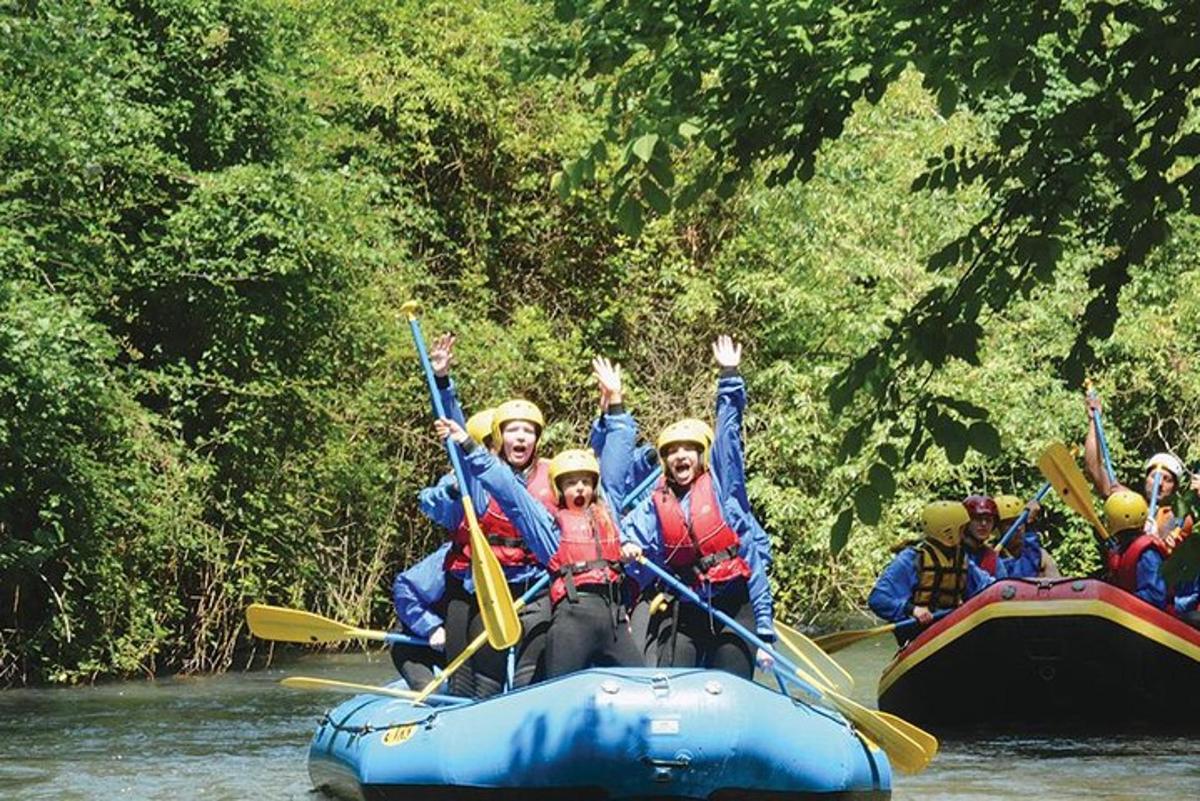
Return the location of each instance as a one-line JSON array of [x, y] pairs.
[[912, 621], [1103, 442], [451, 447], [1152, 514], [1020, 521], [395, 638], [636, 494], [747, 635]]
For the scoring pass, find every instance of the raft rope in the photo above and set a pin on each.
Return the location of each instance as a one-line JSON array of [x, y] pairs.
[[367, 728]]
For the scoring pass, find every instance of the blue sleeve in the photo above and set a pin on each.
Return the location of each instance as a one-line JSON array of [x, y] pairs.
[[760, 595], [442, 503], [640, 527], [642, 476], [978, 579], [617, 457], [597, 435], [1029, 562], [728, 461], [1150, 585], [417, 590], [537, 527], [1187, 596], [893, 591], [449, 397]]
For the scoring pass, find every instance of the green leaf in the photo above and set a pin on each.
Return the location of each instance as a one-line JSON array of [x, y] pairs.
[[643, 148], [688, 129], [839, 534], [888, 453], [629, 216], [858, 73], [867, 504], [881, 478], [655, 197], [984, 438]]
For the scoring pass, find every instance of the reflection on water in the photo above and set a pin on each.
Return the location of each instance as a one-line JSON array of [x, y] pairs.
[[241, 736]]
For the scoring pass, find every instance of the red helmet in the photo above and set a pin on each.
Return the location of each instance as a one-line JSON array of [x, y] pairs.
[[981, 505]]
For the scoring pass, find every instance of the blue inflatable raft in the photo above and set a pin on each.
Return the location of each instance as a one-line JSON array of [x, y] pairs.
[[599, 734]]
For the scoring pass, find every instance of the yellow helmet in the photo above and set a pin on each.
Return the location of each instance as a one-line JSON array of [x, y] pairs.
[[479, 425], [1124, 510], [573, 460], [1010, 506], [944, 522], [689, 429], [516, 409]]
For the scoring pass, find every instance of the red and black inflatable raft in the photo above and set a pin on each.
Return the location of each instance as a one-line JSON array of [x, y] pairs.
[[1049, 653]]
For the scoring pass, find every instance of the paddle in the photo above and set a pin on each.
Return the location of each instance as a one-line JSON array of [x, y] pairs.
[[1152, 513], [294, 625], [638, 492], [500, 620], [478, 643], [907, 746], [1024, 516], [821, 664], [1059, 468], [832, 643], [1102, 440], [308, 683]]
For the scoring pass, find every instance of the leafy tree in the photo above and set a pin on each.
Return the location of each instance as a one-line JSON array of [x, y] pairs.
[[1087, 152]]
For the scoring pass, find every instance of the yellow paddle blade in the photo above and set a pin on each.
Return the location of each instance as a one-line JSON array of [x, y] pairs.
[[832, 643], [294, 625], [1059, 468], [500, 619], [909, 748], [820, 663], [306, 683], [927, 741], [908, 755]]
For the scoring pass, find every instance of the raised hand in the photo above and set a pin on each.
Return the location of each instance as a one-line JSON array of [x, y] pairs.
[[608, 377], [441, 354], [446, 427], [727, 352]]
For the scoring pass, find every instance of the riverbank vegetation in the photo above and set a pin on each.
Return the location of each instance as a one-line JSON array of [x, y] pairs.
[[211, 210]]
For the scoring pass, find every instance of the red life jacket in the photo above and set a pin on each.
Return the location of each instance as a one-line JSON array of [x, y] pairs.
[[504, 537], [1122, 565], [704, 547], [589, 551], [987, 560]]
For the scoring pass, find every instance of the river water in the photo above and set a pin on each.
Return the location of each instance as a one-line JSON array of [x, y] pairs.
[[240, 736]]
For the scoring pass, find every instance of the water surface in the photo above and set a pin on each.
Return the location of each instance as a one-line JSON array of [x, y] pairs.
[[241, 736]]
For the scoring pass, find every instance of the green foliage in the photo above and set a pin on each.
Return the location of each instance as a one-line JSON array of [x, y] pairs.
[[1086, 151], [211, 211]]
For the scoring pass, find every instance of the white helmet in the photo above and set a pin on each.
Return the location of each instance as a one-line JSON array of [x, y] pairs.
[[1167, 461]]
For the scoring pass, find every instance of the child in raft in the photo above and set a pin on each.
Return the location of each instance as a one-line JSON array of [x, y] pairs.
[[978, 534], [930, 574], [695, 525], [1135, 558], [418, 595], [579, 543], [1024, 556]]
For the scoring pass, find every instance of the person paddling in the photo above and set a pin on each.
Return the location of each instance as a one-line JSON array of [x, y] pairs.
[[1135, 558], [930, 574], [418, 595], [1023, 555], [1172, 524], [694, 525], [984, 516]]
